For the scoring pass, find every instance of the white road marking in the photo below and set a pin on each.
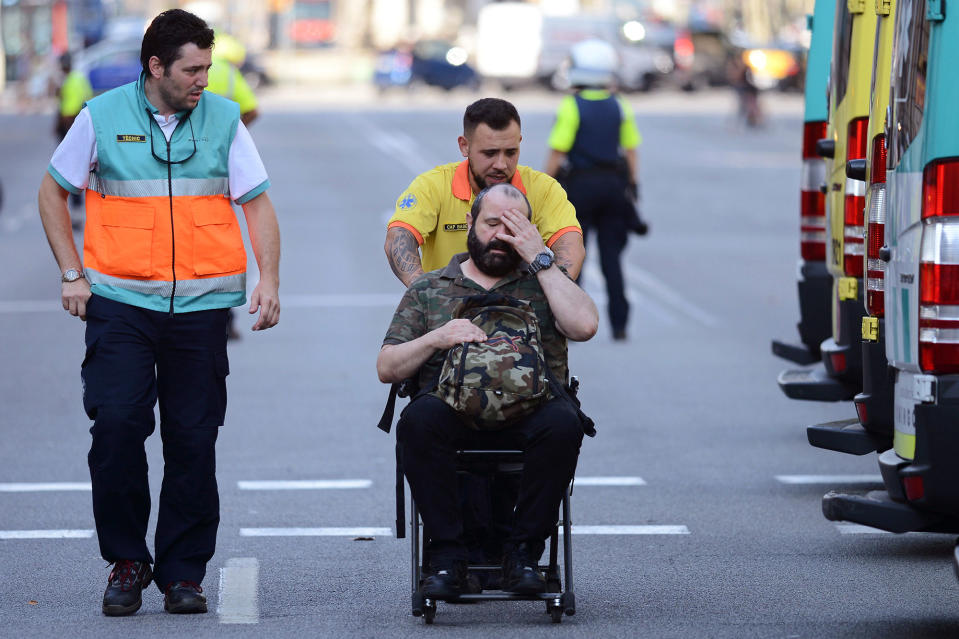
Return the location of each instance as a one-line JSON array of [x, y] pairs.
[[347, 300], [609, 481], [858, 529], [666, 294], [237, 602], [305, 484], [594, 284], [829, 479], [46, 534], [397, 145], [316, 532], [37, 487], [629, 530]]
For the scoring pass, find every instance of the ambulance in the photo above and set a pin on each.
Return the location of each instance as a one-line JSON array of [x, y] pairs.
[[815, 282], [840, 375], [871, 429], [921, 285]]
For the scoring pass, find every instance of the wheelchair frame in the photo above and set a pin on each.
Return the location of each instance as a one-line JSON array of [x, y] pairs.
[[558, 600]]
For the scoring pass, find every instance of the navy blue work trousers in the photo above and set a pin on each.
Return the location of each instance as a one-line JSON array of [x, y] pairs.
[[135, 357], [603, 208], [430, 433]]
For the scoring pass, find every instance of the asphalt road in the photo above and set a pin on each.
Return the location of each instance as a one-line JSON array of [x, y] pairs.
[[707, 537]]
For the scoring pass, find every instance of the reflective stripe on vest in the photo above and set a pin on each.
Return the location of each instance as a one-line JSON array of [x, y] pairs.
[[155, 240]]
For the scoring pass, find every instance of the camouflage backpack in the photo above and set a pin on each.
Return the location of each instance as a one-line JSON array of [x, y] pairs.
[[496, 382]]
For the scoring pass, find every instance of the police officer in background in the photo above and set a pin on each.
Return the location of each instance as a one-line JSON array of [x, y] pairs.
[[593, 155]]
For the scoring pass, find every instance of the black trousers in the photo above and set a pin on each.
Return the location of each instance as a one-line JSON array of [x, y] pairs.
[[430, 433], [134, 357], [603, 208]]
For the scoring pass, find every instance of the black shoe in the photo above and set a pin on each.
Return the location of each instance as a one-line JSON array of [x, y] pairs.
[[447, 583], [520, 573], [619, 334], [183, 597], [126, 583]]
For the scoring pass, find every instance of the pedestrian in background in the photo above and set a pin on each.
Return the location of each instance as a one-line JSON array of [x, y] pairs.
[[593, 154], [72, 95], [163, 261]]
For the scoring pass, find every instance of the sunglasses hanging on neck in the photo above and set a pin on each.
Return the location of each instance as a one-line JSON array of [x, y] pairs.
[[153, 149]]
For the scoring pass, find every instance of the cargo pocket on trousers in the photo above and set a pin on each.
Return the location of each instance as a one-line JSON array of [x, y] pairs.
[[217, 241], [126, 244], [89, 406], [221, 365]]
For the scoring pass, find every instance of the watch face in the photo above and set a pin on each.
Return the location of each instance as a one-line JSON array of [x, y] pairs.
[[544, 259], [71, 275]]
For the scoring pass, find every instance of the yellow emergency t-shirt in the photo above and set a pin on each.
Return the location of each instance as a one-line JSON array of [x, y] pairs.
[[435, 205], [74, 93]]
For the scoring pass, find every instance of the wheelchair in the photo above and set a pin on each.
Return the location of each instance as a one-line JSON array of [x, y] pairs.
[[559, 597]]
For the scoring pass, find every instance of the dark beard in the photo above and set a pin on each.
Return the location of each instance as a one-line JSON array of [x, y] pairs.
[[479, 179], [491, 264]]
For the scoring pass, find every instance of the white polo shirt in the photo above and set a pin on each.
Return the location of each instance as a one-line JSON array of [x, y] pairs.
[[77, 155]]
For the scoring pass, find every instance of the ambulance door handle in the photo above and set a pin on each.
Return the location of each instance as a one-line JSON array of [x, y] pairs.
[[826, 148], [856, 169], [885, 254]]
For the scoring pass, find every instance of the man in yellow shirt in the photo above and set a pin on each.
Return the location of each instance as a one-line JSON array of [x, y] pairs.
[[225, 79], [431, 213]]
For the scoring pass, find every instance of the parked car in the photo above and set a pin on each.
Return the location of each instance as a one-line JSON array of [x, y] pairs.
[[110, 63], [432, 62]]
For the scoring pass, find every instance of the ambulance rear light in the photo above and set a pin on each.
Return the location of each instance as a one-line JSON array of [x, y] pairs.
[[812, 201], [913, 487], [938, 284], [854, 202], [940, 188], [875, 230], [838, 362], [862, 412]]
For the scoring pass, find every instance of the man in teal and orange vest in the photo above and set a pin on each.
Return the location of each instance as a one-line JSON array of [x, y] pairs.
[[163, 261]]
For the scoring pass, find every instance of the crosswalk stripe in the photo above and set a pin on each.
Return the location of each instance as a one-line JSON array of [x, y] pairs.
[[46, 534], [237, 602], [304, 484], [316, 532], [629, 530], [30, 487], [609, 481], [829, 479], [859, 529]]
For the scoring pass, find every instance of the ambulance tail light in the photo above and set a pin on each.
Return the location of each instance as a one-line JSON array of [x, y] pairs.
[[875, 267], [913, 487], [939, 269], [854, 231], [812, 201]]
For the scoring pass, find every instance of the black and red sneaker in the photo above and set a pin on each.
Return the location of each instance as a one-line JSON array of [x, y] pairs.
[[183, 597], [125, 585]]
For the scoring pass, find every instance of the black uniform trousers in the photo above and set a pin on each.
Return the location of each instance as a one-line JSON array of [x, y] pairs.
[[602, 207], [430, 433], [134, 357]]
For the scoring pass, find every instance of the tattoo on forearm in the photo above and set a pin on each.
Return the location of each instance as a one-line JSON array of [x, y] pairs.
[[404, 255]]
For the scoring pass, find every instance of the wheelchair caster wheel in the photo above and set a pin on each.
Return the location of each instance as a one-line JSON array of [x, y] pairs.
[[556, 614], [429, 611]]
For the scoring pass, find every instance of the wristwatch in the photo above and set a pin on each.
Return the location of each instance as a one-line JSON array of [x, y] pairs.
[[72, 275], [541, 261]]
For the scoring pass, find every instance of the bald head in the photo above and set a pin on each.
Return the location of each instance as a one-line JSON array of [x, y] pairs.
[[503, 195]]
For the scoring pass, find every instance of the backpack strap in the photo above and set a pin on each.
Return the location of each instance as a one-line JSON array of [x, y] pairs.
[[386, 421]]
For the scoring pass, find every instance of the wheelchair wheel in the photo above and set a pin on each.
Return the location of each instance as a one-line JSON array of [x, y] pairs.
[[556, 613]]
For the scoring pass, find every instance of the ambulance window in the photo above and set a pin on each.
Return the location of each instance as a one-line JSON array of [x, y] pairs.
[[910, 55], [840, 54]]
